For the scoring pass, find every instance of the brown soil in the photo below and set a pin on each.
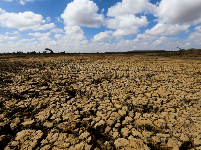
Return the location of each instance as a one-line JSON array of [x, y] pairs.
[[100, 102]]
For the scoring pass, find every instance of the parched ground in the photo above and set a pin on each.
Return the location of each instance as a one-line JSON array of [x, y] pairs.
[[100, 102]]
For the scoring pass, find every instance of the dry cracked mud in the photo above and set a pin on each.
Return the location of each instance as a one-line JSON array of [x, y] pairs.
[[100, 102]]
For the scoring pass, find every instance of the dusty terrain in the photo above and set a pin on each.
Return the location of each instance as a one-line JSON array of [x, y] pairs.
[[100, 102]]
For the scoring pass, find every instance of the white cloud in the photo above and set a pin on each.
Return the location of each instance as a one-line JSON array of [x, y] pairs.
[[84, 42], [14, 46], [56, 30], [82, 12], [24, 21], [68, 43], [125, 31], [4, 38], [38, 34], [198, 28], [167, 29], [126, 21], [44, 27], [24, 1], [48, 19], [136, 40], [102, 36], [162, 39], [27, 40], [73, 30], [2, 11], [130, 7], [64, 42], [14, 32], [188, 44], [179, 11], [143, 36], [74, 33], [8, 0], [146, 37], [175, 16], [43, 38], [126, 24], [58, 36], [58, 19], [195, 37]]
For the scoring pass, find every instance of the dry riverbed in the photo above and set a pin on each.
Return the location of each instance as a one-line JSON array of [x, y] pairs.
[[100, 102]]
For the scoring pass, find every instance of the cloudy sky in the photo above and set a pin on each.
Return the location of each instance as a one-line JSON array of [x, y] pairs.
[[99, 25]]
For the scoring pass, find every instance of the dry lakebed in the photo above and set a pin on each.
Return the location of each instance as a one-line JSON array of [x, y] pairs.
[[86, 102]]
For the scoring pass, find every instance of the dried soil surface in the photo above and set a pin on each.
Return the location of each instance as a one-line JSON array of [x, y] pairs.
[[100, 102]]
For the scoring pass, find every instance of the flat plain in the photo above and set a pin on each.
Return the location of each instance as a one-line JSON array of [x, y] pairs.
[[111, 101]]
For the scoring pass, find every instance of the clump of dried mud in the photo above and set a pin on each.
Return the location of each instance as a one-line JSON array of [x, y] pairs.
[[108, 102]]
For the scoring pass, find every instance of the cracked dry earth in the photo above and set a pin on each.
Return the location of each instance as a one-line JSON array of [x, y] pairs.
[[93, 102]]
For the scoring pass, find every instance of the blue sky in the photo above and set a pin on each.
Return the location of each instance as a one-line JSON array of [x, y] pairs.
[[99, 25]]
